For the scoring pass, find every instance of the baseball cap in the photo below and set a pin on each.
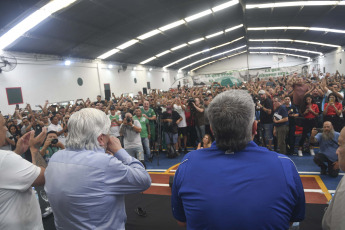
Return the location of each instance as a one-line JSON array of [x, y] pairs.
[[112, 107], [262, 91]]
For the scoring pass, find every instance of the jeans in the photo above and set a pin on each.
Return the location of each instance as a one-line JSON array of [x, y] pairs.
[[200, 131], [137, 152], [146, 145], [268, 131]]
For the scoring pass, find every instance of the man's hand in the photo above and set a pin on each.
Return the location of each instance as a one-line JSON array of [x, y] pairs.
[[275, 120], [336, 165], [144, 115], [23, 144], [168, 120], [114, 145], [313, 132], [36, 142], [47, 142]]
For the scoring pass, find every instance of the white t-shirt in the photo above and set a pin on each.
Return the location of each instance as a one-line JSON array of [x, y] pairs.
[[180, 111], [19, 208]]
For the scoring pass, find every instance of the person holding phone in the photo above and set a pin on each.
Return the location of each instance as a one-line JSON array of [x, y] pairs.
[[332, 111]]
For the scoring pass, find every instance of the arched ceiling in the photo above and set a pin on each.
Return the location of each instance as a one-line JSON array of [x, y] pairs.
[[162, 33]]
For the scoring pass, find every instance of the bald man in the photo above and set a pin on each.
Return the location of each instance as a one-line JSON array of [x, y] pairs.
[[327, 158], [334, 216]]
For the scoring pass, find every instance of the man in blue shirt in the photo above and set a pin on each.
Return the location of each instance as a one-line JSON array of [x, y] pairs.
[[328, 141], [281, 123], [87, 181], [236, 184]]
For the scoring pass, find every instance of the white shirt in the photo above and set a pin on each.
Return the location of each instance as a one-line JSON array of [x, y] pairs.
[[180, 111], [19, 208]]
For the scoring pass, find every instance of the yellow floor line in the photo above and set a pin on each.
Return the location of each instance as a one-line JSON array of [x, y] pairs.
[[321, 184], [168, 170]]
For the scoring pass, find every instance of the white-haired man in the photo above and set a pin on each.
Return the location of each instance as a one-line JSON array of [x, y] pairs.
[[328, 141], [229, 194], [85, 185], [334, 215]]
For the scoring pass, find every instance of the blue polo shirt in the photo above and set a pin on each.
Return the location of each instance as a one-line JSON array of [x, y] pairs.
[[250, 189], [280, 113]]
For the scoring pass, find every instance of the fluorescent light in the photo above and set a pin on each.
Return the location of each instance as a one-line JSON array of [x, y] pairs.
[[205, 50], [149, 34], [289, 54], [110, 66], [216, 55], [150, 69], [218, 60], [198, 15], [127, 44], [196, 40], [200, 52], [296, 3], [148, 60], [215, 34], [225, 5], [179, 46], [233, 28], [108, 54], [32, 20], [172, 25], [284, 48], [163, 53], [298, 28], [68, 62], [291, 40]]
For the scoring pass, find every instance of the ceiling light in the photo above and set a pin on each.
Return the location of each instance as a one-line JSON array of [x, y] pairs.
[[110, 66], [149, 34], [148, 60], [296, 3], [289, 54], [127, 44], [134, 68], [108, 54], [150, 69], [215, 34], [32, 20], [163, 53], [200, 52], [233, 28], [298, 28], [213, 56], [206, 50], [179, 46], [196, 40], [291, 40], [67, 62], [198, 15], [284, 48], [225, 5], [172, 25]]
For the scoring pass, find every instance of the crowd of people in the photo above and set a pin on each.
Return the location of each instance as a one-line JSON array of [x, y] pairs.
[[269, 112]]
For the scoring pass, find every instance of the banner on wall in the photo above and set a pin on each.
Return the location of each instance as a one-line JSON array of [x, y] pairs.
[[237, 76]]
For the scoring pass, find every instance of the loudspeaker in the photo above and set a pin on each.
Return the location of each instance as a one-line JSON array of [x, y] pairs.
[[107, 92], [148, 85], [145, 90], [124, 67]]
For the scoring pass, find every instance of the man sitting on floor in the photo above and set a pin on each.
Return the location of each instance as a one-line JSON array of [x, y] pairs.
[[334, 216], [236, 184], [328, 141]]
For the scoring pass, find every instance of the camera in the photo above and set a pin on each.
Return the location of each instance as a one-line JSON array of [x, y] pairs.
[[128, 119], [190, 101], [54, 141], [319, 130]]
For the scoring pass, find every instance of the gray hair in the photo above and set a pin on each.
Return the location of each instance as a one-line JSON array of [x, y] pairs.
[[231, 115], [84, 127]]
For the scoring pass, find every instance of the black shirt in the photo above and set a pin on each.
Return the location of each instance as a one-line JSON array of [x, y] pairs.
[[266, 118], [171, 126]]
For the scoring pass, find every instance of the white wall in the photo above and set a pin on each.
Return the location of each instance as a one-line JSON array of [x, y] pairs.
[[331, 62], [251, 61], [52, 80]]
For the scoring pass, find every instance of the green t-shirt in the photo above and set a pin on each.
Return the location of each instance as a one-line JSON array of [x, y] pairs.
[[149, 113], [143, 121]]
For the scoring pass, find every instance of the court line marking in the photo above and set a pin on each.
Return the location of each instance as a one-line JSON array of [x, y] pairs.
[[321, 184], [159, 184], [317, 173], [171, 168]]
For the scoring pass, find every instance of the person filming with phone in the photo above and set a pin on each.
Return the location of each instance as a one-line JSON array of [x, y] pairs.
[[332, 111], [51, 146], [327, 158]]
